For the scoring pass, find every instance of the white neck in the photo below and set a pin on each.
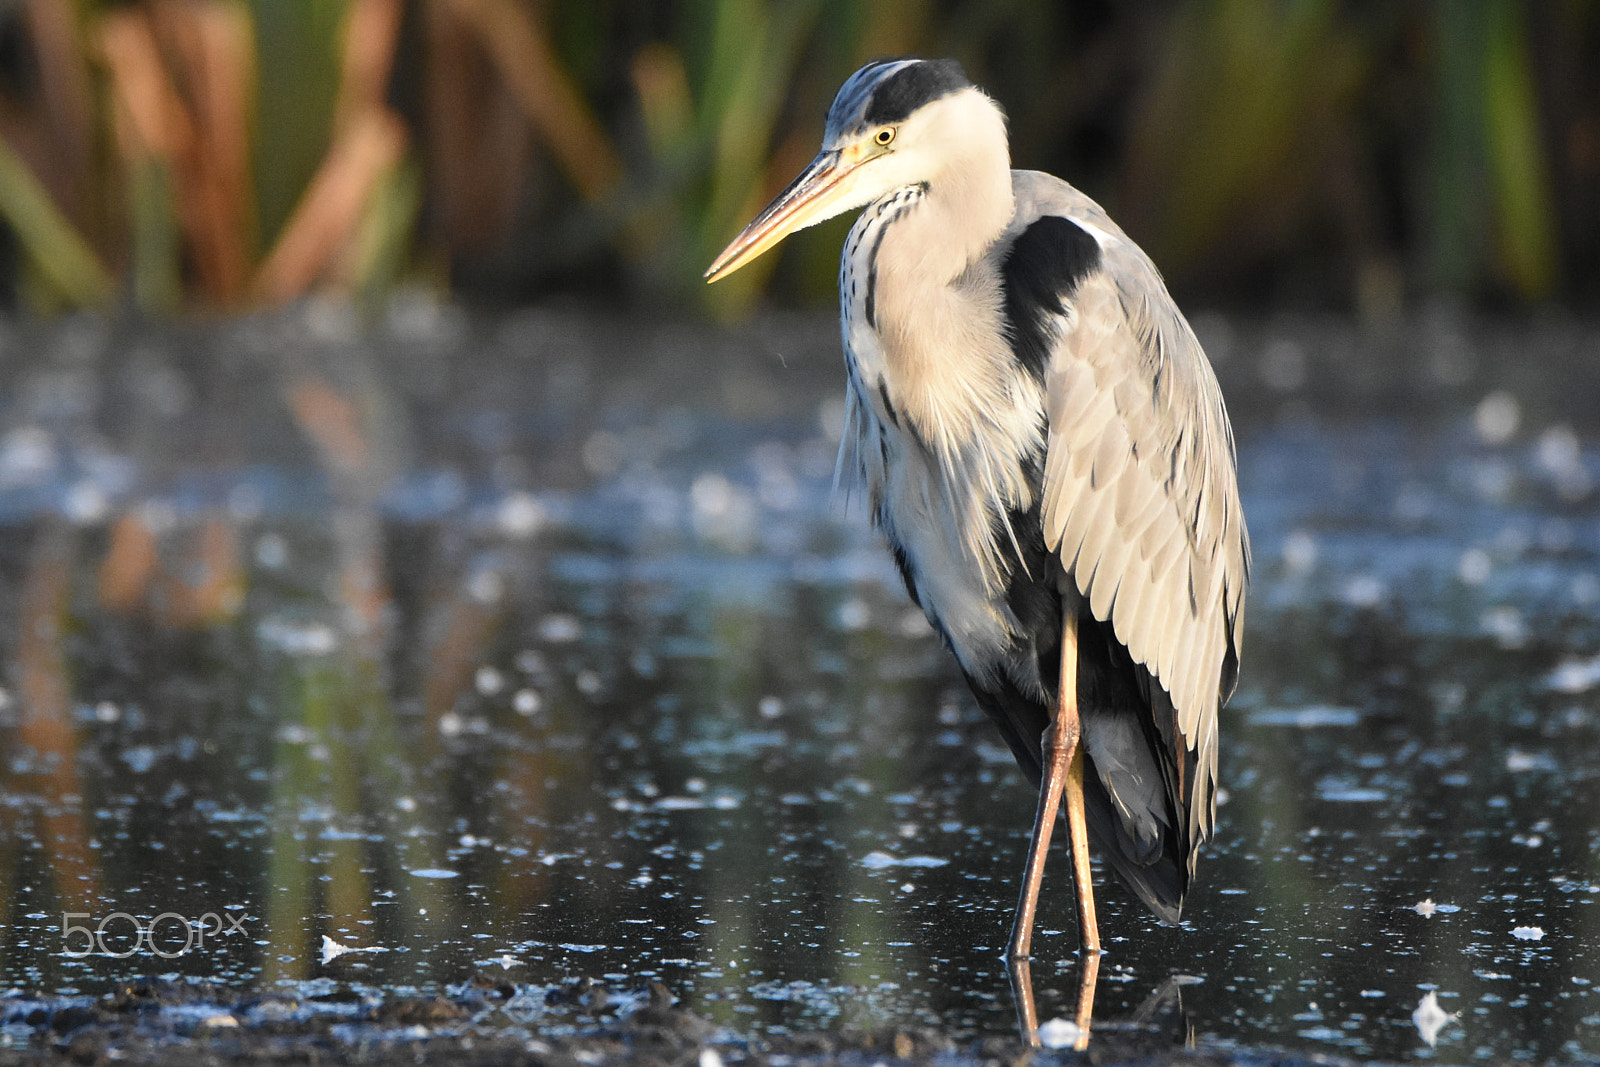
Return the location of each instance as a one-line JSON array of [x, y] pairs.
[[941, 333], [938, 292], [969, 201]]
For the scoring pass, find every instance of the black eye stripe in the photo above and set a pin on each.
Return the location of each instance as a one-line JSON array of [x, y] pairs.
[[911, 86], [886, 92]]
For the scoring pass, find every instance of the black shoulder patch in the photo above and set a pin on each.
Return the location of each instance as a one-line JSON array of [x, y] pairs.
[[910, 87], [1040, 275]]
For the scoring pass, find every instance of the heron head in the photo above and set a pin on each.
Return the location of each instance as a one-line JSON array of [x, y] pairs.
[[894, 123]]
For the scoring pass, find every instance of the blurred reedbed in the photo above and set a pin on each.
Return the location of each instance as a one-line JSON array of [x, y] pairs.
[[217, 155]]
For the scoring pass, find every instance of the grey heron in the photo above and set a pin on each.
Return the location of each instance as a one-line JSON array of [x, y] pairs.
[[1045, 448]]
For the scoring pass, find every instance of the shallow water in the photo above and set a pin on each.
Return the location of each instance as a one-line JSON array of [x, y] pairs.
[[542, 648]]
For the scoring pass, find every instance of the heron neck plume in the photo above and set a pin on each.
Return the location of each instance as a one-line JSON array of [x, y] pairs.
[[939, 298]]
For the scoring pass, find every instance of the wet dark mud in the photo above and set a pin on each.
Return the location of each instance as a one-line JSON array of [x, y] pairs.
[[580, 1024]]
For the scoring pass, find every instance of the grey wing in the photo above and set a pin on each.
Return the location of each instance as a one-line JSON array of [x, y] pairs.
[[1140, 491]]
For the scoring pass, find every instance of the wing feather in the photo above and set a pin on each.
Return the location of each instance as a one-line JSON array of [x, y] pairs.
[[1111, 455], [1084, 534], [1134, 603], [1110, 574], [1102, 414], [1140, 496], [1134, 496], [1165, 652], [1077, 391]]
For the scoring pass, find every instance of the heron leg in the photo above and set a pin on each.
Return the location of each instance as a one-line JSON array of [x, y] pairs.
[[1060, 742], [1062, 776], [1078, 831], [1088, 927]]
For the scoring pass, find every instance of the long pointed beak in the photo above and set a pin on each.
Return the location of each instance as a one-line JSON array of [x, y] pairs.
[[818, 193]]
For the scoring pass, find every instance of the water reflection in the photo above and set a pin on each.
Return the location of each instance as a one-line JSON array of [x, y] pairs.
[[463, 658]]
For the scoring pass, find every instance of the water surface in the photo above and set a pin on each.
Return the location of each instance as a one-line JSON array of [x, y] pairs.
[[541, 647]]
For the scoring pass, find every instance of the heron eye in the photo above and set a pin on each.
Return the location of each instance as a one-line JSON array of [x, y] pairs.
[[884, 136]]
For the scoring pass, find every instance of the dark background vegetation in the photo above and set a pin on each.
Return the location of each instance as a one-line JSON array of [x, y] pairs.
[[182, 156]]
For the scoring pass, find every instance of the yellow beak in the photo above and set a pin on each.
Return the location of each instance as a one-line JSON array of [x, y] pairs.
[[820, 192]]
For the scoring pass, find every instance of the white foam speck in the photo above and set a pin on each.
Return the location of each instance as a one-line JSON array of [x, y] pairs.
[[878, 861], [559, 628], [488, 681], [519, 515], [1312, 715], [1496, 418], [1429, 1018], [1575, 675], [1059, 1033]]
